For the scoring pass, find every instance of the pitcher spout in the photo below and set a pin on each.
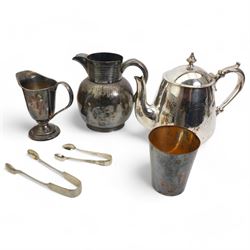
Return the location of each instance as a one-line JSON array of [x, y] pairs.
[[25, 75], [31, 80], [146, 114], [82, 59]]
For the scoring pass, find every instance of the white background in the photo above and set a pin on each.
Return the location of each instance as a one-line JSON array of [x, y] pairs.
[[118, 208]]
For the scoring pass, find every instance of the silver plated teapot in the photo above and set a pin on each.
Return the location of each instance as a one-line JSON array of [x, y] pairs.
[[186, 98]]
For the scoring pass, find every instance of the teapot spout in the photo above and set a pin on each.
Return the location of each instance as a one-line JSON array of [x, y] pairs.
[[146, 114]]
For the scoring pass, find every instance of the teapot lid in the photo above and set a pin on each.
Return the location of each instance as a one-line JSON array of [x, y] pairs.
[[189, 75]]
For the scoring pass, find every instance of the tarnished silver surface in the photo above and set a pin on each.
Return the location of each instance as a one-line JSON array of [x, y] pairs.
[[105, 107], [105, 98], [40, 95], [53, 187], [186, 98], [172, 153]]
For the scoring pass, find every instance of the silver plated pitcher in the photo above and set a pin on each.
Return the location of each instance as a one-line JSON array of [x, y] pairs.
[[105, 98], [186, 98], [40, 96]]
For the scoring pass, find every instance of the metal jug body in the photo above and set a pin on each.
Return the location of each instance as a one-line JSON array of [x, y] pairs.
[[105, 98]]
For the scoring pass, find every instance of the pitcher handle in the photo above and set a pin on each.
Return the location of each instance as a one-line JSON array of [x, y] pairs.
[[140, 65], [71, 97], [137, 63], [240, 83]]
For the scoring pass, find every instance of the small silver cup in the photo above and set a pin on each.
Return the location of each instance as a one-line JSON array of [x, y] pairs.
[[40, 95], [172, 153]]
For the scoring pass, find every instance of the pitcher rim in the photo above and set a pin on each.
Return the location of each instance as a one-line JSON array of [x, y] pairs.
[[119, 57]]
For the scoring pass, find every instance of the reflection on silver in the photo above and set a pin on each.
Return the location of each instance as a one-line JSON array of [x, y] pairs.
[[186, 98]]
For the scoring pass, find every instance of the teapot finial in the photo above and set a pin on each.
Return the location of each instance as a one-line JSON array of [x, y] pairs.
[[191, 60]]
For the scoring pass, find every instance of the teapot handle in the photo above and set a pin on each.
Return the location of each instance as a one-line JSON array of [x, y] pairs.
[[240, 83], [71, 97], [140, 65]]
